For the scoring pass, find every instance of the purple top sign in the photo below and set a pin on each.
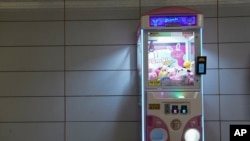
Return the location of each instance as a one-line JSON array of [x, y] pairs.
[[164, 21]]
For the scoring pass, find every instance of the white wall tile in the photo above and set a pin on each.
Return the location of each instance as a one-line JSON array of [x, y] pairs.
[[234, 55], [225, 128], [31, 109], [31, 58], [101, 83], [211, 107], [210, 30], [208, 10], [212, 131], [32, 131], [108, 13], [211, 82], [102, 9], [33, 14], [101, 57], [233, 9], [31, 84], [234, 29], [235, 107], [234, 81], [111, 108], [211, 51], [101, 32], [31, 33], [105, 131]]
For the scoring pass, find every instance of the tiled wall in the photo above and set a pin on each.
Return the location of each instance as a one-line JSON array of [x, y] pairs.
[[67, 68]]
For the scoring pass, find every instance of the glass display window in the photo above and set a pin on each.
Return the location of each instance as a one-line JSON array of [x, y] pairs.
[[171, 58]]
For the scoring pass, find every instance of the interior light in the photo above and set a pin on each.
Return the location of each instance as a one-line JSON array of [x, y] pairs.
[[181, 96], [167, 40]]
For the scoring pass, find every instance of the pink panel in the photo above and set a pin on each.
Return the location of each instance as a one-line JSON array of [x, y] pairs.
[[155, 122], [195, 123]]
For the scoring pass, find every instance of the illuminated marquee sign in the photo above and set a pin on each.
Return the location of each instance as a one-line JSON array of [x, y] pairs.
[[164, 21]]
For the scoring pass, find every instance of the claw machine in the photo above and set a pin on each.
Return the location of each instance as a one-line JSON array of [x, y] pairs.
[[170, 68]]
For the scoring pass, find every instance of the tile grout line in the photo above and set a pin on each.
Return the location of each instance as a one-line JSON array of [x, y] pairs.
[[64, 70], [218, 50]]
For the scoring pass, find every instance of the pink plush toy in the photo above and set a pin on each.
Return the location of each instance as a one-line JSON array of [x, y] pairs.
[[191, 78], [157, 71], [172, 73], [152, 75]]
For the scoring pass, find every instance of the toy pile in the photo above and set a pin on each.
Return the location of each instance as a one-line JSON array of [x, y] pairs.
[[173, 75]]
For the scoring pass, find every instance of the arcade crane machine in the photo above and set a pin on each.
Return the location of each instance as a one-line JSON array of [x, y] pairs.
[[170, 69]]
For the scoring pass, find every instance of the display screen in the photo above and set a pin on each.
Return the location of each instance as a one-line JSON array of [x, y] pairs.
[[201, 68], [201, 65], [163, 21], [171, 59]]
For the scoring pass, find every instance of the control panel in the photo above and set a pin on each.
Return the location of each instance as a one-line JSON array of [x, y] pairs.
[[177, 108]]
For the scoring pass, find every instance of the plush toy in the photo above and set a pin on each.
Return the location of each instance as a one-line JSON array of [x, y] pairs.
[[190, 78], [172, 73], [186, 76], [182, 74], [163, 73], [157, 70], [152, 75], [187, 64]]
